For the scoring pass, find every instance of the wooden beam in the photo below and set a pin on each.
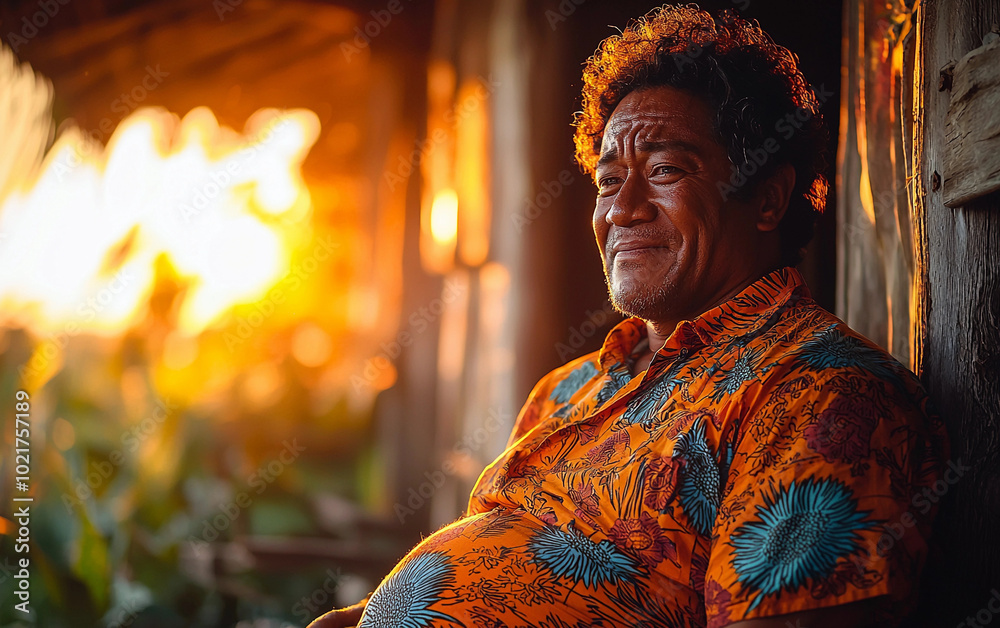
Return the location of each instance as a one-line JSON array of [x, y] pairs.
[[962, 370], [972, 127]]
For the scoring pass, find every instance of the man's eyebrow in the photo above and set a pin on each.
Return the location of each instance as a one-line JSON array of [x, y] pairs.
[[645, 146], [608, 157], [677, 145]]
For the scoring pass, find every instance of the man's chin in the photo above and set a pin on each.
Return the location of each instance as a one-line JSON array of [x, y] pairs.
[[647, 306], [644, 292]]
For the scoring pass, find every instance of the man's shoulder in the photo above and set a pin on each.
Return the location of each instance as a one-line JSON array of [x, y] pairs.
[[555, 389], [564, 380], [810, 343]]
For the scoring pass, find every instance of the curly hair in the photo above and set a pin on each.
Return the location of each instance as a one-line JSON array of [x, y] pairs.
[[767, 114]]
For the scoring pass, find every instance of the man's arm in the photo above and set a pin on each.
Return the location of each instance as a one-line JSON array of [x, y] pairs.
[[342, 617]]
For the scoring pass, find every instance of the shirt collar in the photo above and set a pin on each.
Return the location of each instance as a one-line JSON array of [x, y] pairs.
[[741, 315]]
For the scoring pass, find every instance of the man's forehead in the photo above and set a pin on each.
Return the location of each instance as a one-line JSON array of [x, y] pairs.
[[649, 129], [659, 113], [650, 122]]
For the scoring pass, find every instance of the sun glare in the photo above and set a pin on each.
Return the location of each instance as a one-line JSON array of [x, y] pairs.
[[80, 242]]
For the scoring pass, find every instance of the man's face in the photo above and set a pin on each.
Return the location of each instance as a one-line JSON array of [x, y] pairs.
[[671, 245]]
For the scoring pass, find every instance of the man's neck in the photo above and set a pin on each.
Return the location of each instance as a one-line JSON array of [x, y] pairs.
[[659, 330]]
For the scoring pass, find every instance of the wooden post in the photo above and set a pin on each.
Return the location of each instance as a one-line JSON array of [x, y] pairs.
[[961, 324]]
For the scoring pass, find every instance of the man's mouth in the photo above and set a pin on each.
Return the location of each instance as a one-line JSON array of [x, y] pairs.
[[635, 251]]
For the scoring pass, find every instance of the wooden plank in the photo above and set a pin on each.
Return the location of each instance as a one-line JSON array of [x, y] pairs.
[[961, 370], [872, 290], [972, 129]]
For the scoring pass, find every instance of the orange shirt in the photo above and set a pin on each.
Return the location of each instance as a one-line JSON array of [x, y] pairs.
[[769, 460]]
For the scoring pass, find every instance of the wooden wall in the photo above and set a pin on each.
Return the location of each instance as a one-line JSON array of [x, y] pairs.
[[875, 261], [902, 242], [962, 326]]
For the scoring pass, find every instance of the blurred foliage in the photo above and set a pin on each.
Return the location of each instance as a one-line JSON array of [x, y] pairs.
[[138, 467]]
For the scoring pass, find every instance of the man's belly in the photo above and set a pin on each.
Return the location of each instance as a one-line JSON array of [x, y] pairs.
[[506, 568]]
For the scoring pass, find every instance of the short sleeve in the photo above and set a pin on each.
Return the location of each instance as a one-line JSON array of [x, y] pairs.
[[833, 480]]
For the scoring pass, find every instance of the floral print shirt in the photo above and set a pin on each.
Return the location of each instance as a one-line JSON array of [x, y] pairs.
[[769, 460]]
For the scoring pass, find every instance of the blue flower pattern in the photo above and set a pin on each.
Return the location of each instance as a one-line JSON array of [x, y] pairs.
[[689, 502], [799, 532], [404, 599], [572, 555], [565, 390], [699, 489]]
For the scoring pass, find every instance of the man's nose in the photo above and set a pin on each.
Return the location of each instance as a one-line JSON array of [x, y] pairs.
[[631, 205]]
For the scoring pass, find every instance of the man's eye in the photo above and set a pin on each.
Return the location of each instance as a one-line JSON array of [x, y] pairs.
[[608, 182], [665, 170]]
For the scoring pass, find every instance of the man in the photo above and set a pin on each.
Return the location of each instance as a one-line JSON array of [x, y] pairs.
[[734, 455]]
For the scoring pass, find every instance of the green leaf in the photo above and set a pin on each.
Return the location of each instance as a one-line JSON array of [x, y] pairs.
[[91, 563]]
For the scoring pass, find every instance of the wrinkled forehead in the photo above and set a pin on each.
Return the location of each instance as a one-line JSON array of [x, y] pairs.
[[657, 114], [645, 123]]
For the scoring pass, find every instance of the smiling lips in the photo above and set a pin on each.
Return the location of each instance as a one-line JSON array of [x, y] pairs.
[[631, 249]]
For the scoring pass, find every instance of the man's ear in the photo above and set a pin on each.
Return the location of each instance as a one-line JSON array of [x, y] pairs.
[[773, 195]]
